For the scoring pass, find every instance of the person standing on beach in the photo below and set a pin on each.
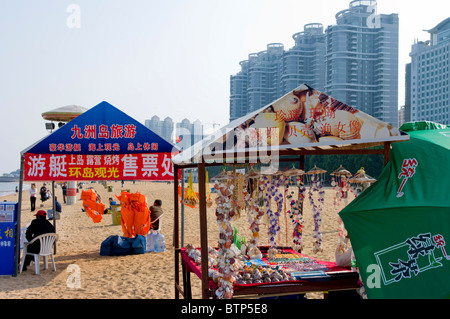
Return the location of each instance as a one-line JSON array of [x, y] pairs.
[[64, 191], [33, 192], [44, 194]]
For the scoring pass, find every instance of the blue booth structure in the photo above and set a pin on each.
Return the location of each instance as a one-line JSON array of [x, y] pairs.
[[8, 233]]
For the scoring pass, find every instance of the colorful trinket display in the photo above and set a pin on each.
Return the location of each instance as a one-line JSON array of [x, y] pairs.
[[315, 178], [296, 203], [225, 214], [341, 187], [263, 194]]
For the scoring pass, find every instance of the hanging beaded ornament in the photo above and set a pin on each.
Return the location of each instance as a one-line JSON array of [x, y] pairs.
[[341, 187], [315, 178], [295, 211], [273, 182], [225, 215], [252, 203]]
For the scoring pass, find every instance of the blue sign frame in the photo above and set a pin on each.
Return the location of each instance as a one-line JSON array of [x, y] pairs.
[[8, 233]]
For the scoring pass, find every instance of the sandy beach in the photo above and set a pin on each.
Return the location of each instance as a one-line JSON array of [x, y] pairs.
[[147, 276]]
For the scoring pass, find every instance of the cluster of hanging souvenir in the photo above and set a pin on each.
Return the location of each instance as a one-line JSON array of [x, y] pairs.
[[190, 196], [341, 186], [315, 180], [226, 212], [256, 192], [295, 194]]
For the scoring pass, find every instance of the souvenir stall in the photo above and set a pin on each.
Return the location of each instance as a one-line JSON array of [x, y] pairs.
[[304, 122]]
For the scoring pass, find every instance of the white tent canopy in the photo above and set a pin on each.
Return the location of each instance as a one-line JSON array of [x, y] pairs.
[[304, 119]]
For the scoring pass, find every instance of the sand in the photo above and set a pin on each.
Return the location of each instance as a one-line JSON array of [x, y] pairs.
[[148, 276]]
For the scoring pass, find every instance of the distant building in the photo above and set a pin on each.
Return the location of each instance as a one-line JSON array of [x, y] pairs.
[[269, 74], [162, 128], [354, 61], [362, 60], [407, 107], [429, 79], [304, 63], [184, 133], [187, 133], [401, 116], [258, 83]]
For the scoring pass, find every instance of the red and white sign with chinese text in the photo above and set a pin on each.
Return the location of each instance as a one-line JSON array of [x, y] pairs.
[[52, 167]]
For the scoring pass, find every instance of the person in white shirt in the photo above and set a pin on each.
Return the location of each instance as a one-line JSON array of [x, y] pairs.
[[33, 192]]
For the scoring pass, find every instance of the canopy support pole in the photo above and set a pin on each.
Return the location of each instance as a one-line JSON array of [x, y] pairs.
[[176, 230], [203, 229], [19, 214], [387, 152], [182, 208], [54, 212]]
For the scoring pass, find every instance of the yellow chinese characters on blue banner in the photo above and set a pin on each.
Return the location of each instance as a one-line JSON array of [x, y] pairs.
[[8, 218]]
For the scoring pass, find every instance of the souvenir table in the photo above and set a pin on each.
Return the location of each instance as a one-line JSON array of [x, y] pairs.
[[301, 274]]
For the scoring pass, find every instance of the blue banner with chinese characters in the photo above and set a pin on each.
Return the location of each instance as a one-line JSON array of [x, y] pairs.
[[102, 130], [8, 219]]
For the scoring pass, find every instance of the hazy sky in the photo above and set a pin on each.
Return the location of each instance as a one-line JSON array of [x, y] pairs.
[[167, 58]]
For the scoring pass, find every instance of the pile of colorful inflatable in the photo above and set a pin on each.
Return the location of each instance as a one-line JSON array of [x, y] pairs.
[[135, 214], [92, 205]]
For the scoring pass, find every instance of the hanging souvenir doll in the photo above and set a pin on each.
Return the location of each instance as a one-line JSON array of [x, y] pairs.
[[255, 213], [315, 178], [273, 180], [296, 205], [339, 181], [225, 215]]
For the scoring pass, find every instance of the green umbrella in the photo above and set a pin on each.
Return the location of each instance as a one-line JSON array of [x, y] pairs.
[[400, 225]]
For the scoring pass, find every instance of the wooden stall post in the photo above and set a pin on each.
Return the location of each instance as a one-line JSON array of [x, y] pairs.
[[387, 152], [203, 229]]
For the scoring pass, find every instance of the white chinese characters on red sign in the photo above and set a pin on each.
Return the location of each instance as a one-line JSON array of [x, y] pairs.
[[53, 167]]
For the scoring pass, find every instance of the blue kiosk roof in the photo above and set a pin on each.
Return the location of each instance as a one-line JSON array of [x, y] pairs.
[[102, 130]]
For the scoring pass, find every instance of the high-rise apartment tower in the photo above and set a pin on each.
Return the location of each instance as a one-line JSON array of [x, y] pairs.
[[354, 61], [429, 78]]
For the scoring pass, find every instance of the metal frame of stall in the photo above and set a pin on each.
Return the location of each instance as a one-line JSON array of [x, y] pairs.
[[297, 155]]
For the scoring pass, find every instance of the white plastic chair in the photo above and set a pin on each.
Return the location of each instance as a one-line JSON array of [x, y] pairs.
[[46, 241], [160, 223], [23, 239]]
